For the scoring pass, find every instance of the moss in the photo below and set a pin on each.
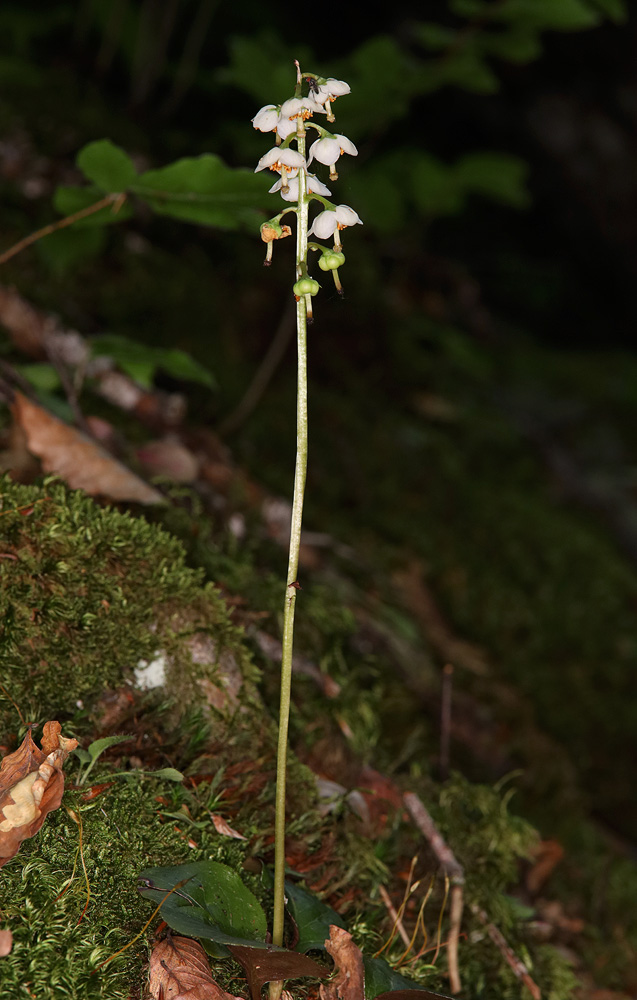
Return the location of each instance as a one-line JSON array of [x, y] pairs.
[[86, 592]]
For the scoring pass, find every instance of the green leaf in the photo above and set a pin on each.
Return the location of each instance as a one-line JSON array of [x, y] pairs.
[[381, 980], [498, 176], [67, 248], [183, 366], [435, 37], [515, 46], [204, 190], [549, 15], [41, 375], [107, 166], [69, 200], [615, 10], [434, 185], [169, 773], [311, 916], [141, 361], [82, 755], [213, 903], [98, 747]]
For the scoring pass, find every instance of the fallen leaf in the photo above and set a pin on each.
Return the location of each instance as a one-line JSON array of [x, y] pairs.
[[179, 968], [81, 462], [169, 457], [271, 965], [347, 983], [6, 943], [31, 786], [224, 828]]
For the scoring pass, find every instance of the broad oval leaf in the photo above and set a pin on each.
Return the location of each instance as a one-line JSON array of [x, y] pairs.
[[312, 917], [107, 166], [202, 189], [212, 903], [383, 983]]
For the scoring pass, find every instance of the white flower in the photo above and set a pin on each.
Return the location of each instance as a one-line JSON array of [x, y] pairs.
[[329, 221], [314, 186], [328, 150], [267, 119], [281, 160], [330, 90]]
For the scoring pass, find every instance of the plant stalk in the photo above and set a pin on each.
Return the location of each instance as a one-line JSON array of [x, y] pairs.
[[293, 559]]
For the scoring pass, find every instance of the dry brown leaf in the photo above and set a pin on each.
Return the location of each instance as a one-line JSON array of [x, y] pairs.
[[31, 786], [224, 828], [179, 969], [270, 965], [169, 457], [348, 982], [6, 943], [81, 462]]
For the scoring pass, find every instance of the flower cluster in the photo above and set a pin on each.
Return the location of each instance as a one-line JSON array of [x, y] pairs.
[[290, 122]]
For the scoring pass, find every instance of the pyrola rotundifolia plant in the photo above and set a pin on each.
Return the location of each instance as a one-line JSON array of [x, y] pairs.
[[299, 188]]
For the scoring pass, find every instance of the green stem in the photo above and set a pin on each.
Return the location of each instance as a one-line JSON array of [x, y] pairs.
[[293, 559]]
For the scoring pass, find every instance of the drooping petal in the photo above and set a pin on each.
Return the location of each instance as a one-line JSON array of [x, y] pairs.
[[331, 89], [346, 216], [327, 150], [304, 106], [266, 119], [286, 127], [280, 159], [324, 225]]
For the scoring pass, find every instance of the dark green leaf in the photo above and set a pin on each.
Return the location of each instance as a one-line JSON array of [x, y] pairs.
[[98, 747], [107, 166], [204, 190], [311, 916], [141, 361], [273, 964], [213, 903], [382, 981], [70, 247], [168, 773], [499, 176]]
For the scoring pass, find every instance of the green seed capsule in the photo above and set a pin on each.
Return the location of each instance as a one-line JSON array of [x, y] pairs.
[[330, 261], [306, 286]]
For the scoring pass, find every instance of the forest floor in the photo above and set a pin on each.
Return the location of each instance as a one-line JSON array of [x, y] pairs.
[[466, 633]]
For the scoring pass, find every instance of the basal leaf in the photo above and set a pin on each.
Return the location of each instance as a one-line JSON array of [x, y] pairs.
[[312, 917], [381, 981], [107, 166], [141, 361], [202, 189], [212, 903]]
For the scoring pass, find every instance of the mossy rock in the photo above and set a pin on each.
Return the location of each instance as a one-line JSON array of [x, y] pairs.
[[87, 592]]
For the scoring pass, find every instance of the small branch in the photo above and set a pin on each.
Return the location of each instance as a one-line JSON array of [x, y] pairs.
[[515, 963], [116, 200], [445, 720], [453, 869], [398, 924]]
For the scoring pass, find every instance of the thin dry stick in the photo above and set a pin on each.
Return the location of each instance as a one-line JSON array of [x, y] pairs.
[[445, 720], [515, 963], [398, 924], [116, 200], [454, 872]]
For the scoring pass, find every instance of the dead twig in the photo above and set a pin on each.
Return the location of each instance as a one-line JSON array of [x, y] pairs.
[[454, 871], [512, 960]]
